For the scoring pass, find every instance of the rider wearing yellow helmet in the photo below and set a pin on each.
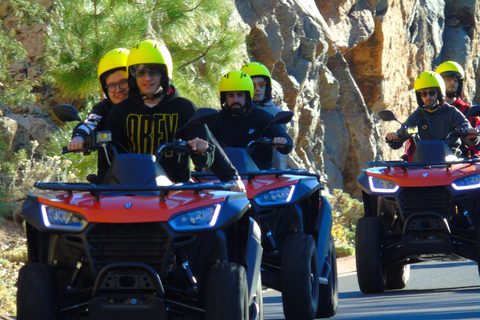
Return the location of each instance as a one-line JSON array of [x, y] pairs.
[[112, 75], [454, 77], [241, 121], [153, 112], [262, 83], [434, 117]]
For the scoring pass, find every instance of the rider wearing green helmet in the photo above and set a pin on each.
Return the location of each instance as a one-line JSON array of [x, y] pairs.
[[112, 75], [262, 83], [241, 122], [153, 112], [434, 117], [454, 77]]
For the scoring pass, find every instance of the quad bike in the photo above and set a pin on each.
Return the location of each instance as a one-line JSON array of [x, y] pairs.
[[139, 246], [417, 211], [299, 258]]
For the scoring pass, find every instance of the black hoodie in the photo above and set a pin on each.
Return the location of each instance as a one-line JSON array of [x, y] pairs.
[[141, 129]]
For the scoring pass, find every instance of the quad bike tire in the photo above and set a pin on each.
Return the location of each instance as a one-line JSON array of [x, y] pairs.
[[300, 273], [368, 255], [328, 298], [397, 276], [227, 293], [36, 292]]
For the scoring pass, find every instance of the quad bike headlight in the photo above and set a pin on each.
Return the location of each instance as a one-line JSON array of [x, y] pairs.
[[382, 185], [56, 218], [276, 196], [467, 183], [198, 219]]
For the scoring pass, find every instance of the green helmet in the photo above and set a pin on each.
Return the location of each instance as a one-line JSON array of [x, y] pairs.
[[449, 68], [256, 69], [429, 79], [150, 52], [236, 81], [111, 62]]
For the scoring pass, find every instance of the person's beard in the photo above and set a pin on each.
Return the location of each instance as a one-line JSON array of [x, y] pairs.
[[451, 94], [236, 110]]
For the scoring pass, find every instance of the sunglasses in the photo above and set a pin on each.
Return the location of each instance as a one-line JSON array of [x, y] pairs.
[[431, 93], [122, 85], [153, 73], [260, 84]]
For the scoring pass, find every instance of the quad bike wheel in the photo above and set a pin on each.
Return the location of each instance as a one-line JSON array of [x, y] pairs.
[[368, 255], [36, 292], [227, 293], [300, 273], [397, 276], [328, 301]]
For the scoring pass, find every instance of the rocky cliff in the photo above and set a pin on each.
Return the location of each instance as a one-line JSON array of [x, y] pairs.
[[334, 63]]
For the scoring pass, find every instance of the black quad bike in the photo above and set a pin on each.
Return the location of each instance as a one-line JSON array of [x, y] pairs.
[[422, 210], [299, 258], [139, 246]]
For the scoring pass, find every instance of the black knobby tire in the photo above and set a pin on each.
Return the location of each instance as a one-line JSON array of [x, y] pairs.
[[397, 276], [328, 302], [227, 293], [300, 272], [36, 292], [368, 255]]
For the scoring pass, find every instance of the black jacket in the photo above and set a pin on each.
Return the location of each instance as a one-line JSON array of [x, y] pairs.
[[237, 131], [438, 124], [96, 121], [141, 129]]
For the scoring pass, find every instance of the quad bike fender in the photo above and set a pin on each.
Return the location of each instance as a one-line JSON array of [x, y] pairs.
[[253, 257], [362, 182], [32, 214], [324, 228]]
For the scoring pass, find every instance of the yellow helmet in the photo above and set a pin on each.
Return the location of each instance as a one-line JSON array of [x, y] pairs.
[[449, 68], [113, 60], [429, 79], [236, 81], [150, 52], [256, 69]]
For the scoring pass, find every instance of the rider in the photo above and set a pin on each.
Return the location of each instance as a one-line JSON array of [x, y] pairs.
[[112, 75], [262, 83], [454, 77], [153, 111], [434, 117], [241, 121]]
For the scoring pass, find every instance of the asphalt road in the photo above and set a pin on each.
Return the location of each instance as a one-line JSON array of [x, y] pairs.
[[446, 290]]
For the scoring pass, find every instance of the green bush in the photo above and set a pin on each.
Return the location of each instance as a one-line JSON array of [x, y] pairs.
[[345, 213]]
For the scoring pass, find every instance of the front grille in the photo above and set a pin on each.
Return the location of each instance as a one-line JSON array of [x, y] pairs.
[[132, 242], [425, 199]]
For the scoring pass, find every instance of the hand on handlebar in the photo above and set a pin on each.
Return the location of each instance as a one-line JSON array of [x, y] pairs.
[[392, 136], [472, 133], [198, 145], [279, 142], [76, 143]]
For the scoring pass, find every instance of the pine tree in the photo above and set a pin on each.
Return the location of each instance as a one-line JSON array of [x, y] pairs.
[[203, 42]]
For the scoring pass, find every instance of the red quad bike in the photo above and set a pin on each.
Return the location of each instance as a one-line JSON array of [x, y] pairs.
[[298, 249], [417, 211], [139, 247]]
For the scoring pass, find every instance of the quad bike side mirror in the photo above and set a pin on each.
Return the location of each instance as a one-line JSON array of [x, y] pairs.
[[280, 117], [66, 113], [201, 116], [387, 115], [473, 112]]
